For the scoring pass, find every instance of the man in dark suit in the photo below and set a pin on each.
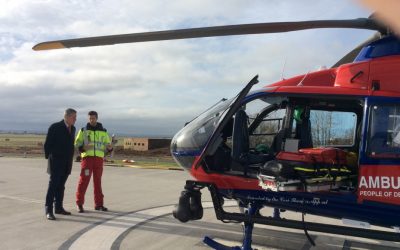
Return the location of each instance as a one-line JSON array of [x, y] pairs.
[[59, 150]]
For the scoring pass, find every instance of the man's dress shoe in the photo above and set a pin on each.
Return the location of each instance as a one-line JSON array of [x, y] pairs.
[[62, 211], [50, 216]]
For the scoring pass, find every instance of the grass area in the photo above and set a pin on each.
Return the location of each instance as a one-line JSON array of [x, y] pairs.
[[31, 140], [21, 140], [31, 145]]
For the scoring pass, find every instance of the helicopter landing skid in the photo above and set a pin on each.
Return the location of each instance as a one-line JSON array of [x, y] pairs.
[[248, 233], [218, 246], [246, 245]]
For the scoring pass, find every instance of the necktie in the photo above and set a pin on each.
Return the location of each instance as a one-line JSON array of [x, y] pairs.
[[69, 129]]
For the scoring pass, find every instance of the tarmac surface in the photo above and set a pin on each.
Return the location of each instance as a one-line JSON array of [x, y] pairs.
[[140, 203]]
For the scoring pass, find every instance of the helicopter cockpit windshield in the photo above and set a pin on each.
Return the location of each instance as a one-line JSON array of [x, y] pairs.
[[198, 137], [191, 139]]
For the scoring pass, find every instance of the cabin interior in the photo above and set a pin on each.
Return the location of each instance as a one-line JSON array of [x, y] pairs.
[[301, 143]]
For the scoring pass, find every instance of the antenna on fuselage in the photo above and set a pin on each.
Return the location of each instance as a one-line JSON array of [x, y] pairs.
[[301, 81]]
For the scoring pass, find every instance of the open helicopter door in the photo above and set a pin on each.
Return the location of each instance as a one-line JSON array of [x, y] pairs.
[[189, 206], [210, 147]]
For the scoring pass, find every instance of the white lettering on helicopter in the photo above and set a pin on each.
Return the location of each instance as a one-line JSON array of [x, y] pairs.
[[371, 193], [384, 182], [315, 201]]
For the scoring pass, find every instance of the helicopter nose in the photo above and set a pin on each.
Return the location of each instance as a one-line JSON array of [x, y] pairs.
[[182, 155]]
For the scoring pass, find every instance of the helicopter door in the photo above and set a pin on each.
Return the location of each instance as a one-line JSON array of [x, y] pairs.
[[379, 176], [216, 137]]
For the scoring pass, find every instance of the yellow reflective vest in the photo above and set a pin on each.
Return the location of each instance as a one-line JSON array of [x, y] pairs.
[[92, 141]]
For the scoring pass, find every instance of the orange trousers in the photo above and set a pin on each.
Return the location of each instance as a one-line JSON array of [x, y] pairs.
[[89, 165]]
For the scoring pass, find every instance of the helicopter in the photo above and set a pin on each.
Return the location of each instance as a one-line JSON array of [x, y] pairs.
[[325, 143]]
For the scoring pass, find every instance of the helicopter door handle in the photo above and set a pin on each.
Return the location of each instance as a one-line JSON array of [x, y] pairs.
[[359, 73]]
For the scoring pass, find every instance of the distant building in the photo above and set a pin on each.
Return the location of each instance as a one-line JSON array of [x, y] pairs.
[[144, 144]]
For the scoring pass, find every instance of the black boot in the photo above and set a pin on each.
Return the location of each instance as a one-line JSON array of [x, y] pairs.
[[101, 208], [49, 213]]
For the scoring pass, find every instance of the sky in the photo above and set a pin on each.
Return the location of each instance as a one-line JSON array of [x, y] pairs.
[[152, 89]]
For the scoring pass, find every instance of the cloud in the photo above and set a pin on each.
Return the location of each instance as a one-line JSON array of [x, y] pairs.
[[151, 87]]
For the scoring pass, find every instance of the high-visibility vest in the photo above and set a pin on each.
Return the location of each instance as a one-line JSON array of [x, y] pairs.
[[95, 141]]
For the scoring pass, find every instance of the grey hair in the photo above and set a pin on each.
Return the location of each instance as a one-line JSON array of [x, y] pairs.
[[69, 112]]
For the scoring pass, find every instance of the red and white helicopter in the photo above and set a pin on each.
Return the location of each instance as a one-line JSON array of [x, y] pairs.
[[325, 143]]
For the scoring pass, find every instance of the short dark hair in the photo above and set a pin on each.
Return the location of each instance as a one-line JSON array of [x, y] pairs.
[[69, 112], [93, 113]]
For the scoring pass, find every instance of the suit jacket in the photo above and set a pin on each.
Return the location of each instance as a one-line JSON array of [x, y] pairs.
[[59, 148]]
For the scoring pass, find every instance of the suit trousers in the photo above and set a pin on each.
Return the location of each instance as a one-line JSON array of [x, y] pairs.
[[90, 165], [55, 191]]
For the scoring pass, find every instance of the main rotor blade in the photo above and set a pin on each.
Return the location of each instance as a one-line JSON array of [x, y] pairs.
[[349, 57], [228, 30]]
